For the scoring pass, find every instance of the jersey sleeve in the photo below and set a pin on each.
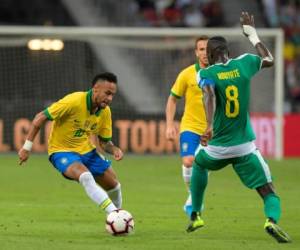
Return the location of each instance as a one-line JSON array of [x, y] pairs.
[[105, 129], [252, 63], [179, 88], [60, 108], [204, 79]]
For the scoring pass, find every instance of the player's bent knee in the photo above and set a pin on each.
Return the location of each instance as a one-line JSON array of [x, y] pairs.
[[107, 181], [115, 188], [75, 170], [86, 177], [111, 184], [266, 190], [188, 161]]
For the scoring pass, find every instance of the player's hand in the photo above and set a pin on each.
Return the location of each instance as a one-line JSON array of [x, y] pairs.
[[171, 132], [208, 134], [248, 27], [246, 20], [118, 154], [23, 155]]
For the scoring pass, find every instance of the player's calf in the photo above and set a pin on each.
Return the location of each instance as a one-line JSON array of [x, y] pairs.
[[96, 193], [115, 195]]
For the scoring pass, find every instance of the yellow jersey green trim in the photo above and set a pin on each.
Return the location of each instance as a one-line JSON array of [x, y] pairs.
[[89, 100], [176, 96], [98, 111], [47, 114], [105, 139], [197, 67], [89, 103]]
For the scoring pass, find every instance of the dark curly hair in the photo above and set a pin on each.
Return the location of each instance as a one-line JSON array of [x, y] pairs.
[[106, 76]]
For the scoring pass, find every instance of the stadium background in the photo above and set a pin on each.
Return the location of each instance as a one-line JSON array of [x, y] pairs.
[[147, 67]]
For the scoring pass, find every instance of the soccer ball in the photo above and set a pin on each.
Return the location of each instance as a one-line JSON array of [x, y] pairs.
[[119, 222]]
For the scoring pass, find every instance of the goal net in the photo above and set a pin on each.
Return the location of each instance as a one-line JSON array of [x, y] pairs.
[[146, 62]]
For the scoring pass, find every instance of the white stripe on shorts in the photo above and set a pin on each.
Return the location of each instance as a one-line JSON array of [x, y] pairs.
[[264, 165]]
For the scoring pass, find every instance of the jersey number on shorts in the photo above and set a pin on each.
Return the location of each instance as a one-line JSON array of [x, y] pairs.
[[232, 102]]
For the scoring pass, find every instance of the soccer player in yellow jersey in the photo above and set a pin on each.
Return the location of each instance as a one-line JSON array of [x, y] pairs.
[[76, 117], [193, 122]]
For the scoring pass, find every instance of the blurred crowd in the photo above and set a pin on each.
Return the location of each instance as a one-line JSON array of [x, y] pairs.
[[286, 14], [175, 13], [179, 13], [209, 13]]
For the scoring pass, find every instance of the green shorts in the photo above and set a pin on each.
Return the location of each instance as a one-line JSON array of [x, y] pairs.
[[252, 169]]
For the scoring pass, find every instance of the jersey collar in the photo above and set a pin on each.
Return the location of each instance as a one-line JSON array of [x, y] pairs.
[[197, 67], [89, 103]]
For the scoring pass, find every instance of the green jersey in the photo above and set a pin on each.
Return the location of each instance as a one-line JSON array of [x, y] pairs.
[[231, 80]]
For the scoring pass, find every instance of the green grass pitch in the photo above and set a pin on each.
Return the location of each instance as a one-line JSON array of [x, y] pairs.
[[41, 210]]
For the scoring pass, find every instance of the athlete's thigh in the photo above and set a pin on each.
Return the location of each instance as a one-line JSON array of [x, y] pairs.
[[189, 142], [203, 160], [95, 162], [108, 180], [69, 164], [252, 170]]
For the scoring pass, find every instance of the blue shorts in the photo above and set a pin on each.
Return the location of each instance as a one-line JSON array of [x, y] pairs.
[[95, 163], [189, 142]]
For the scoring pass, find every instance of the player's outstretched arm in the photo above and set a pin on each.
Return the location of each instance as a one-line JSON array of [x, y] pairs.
[[247, 23], [171, 129], [110, 148], [209, 99], [35, 126]]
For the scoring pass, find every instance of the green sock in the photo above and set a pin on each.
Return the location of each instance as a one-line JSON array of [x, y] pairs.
[[198, 185], [272, 207]]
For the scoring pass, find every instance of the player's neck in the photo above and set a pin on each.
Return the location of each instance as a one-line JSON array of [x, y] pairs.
[[222, 59], [95, 109], [202, 65]]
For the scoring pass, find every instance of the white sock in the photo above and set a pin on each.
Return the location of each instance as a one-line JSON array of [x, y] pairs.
[[95, 192], [186, 174], [115, 195], [189, 200]]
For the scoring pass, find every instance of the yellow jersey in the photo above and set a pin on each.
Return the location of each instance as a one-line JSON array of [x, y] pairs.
[[186, 85], [73, 123]]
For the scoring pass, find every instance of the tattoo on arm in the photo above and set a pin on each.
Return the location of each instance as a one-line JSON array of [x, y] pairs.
[[107, 146]]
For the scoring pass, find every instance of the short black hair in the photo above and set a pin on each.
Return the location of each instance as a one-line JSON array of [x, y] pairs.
[[218, 42], [105, 76], [216, 46]]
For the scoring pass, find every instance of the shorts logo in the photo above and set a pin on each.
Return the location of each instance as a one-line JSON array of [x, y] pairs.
[[185, 147], [64, 160]]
